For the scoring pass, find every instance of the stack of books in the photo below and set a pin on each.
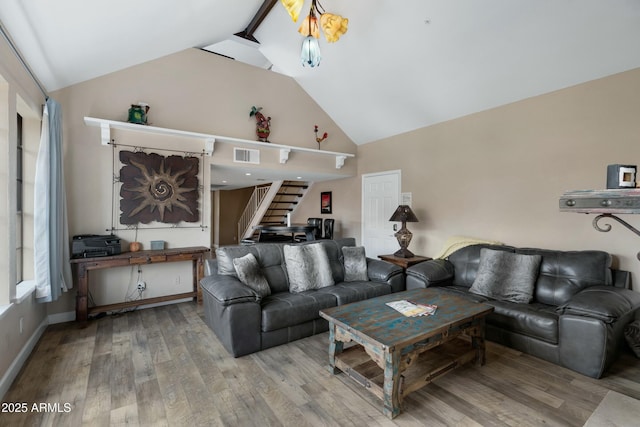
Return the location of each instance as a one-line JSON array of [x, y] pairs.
[[413, 309]]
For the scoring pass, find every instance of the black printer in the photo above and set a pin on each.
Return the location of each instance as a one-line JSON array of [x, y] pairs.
[[95, 245]]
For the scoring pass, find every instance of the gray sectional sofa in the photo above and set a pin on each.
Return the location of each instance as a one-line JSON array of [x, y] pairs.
[[578, 305], [246, 320]]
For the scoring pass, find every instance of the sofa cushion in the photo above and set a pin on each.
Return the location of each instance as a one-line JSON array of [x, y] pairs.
[[506, 276], [534, 320], [286, 309], [565, 273], [355, 263], [250, 274], [308, 267], [348, 292]]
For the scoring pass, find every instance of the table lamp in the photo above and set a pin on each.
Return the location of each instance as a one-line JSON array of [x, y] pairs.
[[404, 214]]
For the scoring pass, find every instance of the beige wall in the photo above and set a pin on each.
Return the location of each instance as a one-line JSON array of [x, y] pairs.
[[195, 91], [232, 204], [498, 174]]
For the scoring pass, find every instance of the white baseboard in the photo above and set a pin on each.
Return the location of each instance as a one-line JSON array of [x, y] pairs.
[[70, 316], [19, 361], [67, 316]]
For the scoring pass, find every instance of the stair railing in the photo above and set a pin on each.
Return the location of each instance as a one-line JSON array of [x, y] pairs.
[[250, 210]]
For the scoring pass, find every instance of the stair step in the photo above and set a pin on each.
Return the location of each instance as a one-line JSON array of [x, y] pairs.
[[289, 194], [286, 203], [294, 186]]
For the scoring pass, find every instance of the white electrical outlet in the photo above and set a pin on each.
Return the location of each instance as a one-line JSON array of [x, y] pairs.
[[142, 285]]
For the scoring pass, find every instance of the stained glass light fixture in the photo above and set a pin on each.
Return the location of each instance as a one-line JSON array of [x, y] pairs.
[[333, 26]]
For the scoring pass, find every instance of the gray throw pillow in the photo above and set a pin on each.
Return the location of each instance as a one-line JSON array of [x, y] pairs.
[[355, 263], [506, 276], [307, 267], [249, 273]]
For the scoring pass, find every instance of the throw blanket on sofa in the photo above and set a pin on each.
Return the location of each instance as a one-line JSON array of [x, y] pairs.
[[458, 242]]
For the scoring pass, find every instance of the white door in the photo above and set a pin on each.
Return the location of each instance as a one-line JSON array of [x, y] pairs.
[[380, 198]]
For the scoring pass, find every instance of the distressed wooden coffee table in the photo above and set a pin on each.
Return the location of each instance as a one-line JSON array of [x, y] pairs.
[[393, 355]]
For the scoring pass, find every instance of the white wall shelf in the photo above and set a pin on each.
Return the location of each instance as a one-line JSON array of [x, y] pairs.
[[208, 139]]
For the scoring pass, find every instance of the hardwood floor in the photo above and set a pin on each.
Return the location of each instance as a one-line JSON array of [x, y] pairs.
[[164, 367]]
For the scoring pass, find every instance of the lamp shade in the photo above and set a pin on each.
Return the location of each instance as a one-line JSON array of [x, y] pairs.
[[403, 214], [310, 54]]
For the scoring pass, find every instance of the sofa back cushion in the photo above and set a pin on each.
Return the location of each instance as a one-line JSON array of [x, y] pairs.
[[269, 256], [467, 260], [565, 273]]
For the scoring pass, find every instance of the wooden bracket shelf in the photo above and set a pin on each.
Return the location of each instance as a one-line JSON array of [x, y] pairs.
[[209, 140]]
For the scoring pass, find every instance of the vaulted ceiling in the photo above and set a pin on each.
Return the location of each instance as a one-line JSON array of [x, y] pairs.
[[402, 64]]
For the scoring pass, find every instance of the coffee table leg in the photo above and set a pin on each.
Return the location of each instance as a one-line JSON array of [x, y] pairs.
[[335, 347], [391, 399], [477, 342]]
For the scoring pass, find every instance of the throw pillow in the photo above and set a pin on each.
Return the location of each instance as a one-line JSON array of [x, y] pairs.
[[355, 263], [307, 267], [632, 335], [506, 276], [249, 273]]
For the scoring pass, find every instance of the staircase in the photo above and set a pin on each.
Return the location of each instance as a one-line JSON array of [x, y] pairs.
[[270, 206]]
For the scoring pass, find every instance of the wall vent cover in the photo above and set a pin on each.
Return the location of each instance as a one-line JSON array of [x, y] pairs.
[[246, 155]]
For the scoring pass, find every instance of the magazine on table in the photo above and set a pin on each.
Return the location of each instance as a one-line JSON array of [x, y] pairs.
[[413, 309]]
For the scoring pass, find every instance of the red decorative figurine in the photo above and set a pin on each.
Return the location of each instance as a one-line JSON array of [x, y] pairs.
[[319, 140], [262, 124]]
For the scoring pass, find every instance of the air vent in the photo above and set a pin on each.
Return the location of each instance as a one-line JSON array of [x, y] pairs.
[[245, 155]]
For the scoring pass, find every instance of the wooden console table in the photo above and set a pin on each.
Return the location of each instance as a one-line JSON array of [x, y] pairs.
[[82, 266]]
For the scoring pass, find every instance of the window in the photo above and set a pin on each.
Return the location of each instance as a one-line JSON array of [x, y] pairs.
[[19, 204]]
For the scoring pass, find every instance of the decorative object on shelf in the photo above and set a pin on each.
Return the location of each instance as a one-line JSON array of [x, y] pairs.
[[138, 113], [262, 124], [325, 202], [621, 176], [333, 26], [318, 139], [158, 188], [157, 245], [404, 214], [135, 246]]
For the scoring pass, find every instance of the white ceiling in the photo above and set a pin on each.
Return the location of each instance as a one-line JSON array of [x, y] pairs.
[[402, 65]]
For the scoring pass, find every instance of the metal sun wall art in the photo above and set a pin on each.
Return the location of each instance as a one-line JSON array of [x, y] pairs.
[[158, 188]]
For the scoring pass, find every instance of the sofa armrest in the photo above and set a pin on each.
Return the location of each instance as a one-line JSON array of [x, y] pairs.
[[381, 271], [435, 272], [605, 303], [228, 289]]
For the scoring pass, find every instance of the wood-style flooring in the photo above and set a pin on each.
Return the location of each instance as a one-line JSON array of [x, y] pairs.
[[164, 367]]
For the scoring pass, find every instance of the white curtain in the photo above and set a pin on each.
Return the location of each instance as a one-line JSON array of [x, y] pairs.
[[51, 246]]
